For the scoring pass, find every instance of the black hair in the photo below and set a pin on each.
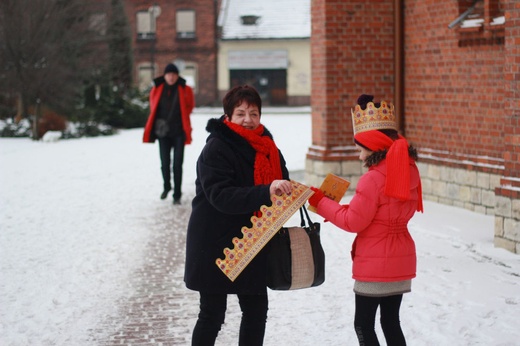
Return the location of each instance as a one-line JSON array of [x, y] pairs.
[[364, 99]]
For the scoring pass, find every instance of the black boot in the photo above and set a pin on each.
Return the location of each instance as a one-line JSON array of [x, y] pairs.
[[164, 194]]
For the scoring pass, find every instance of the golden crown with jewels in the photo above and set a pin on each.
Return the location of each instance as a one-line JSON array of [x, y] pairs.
[[373, 118], [264, 228]]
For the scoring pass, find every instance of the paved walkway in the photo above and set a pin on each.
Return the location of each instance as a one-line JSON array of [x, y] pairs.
[[161, 310]]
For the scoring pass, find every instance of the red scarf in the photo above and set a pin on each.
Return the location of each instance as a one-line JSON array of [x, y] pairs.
[[397, 164], [267, 159]]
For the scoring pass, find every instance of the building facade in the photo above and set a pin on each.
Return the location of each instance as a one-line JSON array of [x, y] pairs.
[[182, 32], [452, 70], [264, 47]]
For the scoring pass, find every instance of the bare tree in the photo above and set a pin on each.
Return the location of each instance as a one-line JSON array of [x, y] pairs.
[[47, 47], [120, 47]]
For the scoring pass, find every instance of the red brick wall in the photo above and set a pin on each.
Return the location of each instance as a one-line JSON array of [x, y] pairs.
[[454, 95], [352, 53], [202, 50], [461, 88], [461, 96], [512, 103]]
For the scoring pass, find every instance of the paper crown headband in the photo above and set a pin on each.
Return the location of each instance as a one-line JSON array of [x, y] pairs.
[[373, 118]]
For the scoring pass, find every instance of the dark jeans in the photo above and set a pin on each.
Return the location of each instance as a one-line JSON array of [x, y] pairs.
[[365, 317], [212, 313], [165, 147]]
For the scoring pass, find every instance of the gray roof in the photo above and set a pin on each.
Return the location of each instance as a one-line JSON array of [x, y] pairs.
[[277, 19]]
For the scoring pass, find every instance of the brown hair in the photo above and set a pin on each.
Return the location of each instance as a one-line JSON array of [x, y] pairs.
[[239, 94]]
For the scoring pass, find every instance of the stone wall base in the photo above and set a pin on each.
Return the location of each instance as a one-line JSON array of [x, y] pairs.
[[459, 187], [317, 170], [507, 223]]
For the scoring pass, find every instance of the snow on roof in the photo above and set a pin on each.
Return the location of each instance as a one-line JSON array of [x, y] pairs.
[[273, 19]]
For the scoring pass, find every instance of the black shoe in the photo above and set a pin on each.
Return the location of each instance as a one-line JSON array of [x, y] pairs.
[[164, 194], [176, 201]]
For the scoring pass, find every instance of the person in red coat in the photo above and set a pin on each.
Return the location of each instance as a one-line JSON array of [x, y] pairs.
[[171, 104], [386, 198]]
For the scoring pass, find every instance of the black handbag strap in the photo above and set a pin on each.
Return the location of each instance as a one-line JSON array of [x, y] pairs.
[[302, 210]]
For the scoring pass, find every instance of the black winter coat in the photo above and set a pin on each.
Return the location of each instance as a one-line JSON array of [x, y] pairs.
[[226, 198]]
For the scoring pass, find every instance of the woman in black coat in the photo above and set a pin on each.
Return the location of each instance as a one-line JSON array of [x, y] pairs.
[[238, 170]]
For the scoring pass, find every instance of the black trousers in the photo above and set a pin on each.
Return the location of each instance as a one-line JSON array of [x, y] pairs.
[[166, 145], [365, 316], [212, 314]]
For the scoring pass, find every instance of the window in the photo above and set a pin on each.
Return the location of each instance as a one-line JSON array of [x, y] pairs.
[[249, 20], [98, 23], [185, 24], [145, 25], [190, 74], [480, 22], [189, 71], [145, 76]]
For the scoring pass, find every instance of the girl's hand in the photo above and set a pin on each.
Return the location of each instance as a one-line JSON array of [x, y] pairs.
[[316, 198], [279, 187]]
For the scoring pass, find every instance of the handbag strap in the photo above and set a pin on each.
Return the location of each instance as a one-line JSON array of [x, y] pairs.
[[304, 210]]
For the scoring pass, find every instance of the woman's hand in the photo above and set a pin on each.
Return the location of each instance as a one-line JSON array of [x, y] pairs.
[[280, 187]]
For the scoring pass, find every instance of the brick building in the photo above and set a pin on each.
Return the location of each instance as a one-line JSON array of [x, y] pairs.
[[452, 69], [181, 31]]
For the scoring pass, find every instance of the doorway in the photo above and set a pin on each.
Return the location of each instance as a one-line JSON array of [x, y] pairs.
[[270, 84]]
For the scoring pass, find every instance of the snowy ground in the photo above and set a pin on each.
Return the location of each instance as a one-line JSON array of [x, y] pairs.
[[73, 227]]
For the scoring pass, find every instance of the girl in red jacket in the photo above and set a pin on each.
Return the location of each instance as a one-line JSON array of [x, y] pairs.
[[386, 198]]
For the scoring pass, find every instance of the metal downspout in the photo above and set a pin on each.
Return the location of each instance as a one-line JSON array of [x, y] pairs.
[[399, 63]]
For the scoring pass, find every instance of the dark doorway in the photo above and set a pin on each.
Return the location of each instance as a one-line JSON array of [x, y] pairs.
[[271, 84]]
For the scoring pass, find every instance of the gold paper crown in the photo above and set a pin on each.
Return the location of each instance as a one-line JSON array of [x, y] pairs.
[[264, 228], [373, 118]]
